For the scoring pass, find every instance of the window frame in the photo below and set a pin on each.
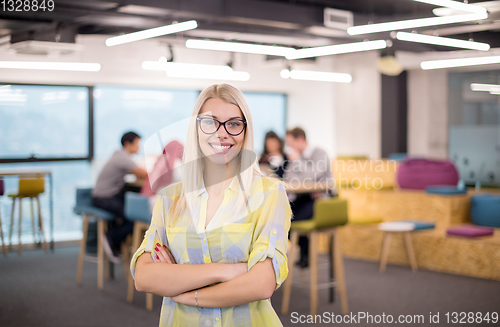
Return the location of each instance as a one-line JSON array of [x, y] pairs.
[[90, 152]]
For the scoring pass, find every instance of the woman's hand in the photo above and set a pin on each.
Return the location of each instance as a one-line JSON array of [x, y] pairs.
[[232, 270], [163, 254]]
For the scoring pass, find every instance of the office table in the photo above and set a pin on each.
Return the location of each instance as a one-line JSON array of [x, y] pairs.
[[23, 173]]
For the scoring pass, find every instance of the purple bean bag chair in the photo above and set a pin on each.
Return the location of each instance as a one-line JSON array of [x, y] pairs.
[[417, 174]]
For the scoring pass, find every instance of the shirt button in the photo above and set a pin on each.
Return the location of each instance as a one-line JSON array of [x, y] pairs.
[[204, 240], [274, 232], [207, 260], [217, 319]]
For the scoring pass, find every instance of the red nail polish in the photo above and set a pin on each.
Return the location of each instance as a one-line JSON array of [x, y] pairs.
[[157, 257], [156, 249], [165, 246], [158, 244]]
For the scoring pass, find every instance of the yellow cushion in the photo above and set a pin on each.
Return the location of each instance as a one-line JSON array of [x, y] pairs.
[[303, 225], [364, 220]]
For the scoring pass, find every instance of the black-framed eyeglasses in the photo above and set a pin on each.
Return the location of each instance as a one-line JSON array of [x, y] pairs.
[[233, 126]]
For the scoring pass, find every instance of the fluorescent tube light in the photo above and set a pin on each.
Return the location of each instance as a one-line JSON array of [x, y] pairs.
[[201, 71], [201, 74], [176, 66], [413, 23], [492, 88], [450, 63], [316, 76], [239, 47], [153, 32], [337, 49], [69, 66], [421, 38], [455, 5]]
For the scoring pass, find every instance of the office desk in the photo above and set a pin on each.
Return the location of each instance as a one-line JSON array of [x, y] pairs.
[[27, 173]]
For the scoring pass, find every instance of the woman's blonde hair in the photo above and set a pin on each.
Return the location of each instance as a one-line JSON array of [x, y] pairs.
[[192, 174]]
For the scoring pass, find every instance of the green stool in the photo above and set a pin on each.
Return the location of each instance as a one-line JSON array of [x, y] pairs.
[[329, 214], [28, 188], [365, 220]]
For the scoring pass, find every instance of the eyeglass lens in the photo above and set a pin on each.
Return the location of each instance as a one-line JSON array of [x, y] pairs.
[[233, 126]]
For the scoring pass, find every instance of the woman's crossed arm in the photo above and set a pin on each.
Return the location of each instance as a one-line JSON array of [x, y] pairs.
[[168, 279], [257, 284]]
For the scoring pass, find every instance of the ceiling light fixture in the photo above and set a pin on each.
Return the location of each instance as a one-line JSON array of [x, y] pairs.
[[337, 49], [461, 62], [153, 32], [455, 5], [414, 23], [68, 66], [316, 76], [200, 71], [437, 40], [239, 47], [220, 75], [492, 88]]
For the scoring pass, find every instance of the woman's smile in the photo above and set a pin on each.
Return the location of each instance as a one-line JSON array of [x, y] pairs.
[[221, 148]]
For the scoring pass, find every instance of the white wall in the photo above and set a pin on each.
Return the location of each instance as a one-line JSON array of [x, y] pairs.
[[428, 113], [310, 104], [358, 105]]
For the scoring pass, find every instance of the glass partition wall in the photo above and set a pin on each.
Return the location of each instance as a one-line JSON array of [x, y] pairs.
[[474, 126]]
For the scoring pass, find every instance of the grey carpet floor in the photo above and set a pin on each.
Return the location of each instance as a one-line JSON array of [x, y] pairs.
[[39, 289]]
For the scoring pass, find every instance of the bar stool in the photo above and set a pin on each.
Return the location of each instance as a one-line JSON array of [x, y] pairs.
[[137, 210], [390, 228], [85, 208], [329, 214], [1, 231], [28, 188]]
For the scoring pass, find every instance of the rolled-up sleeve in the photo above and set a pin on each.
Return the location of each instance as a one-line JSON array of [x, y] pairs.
[[155, 234], [270, 238]]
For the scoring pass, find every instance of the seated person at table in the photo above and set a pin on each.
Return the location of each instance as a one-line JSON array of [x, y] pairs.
[[109, 192], [273, 154], [307, 166]]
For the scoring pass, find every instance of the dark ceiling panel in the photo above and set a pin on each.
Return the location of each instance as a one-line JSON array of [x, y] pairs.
[[271, 17]]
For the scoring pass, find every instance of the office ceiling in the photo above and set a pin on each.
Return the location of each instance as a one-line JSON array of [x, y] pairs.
[[296, 23]]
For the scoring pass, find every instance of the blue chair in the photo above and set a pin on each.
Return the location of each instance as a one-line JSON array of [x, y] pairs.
[[1, 232], [85, 208], [485, 210], [137, 210], [398, 156], [445, 190]]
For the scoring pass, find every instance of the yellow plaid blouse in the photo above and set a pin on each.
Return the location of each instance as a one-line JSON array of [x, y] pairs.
[[256, 232]]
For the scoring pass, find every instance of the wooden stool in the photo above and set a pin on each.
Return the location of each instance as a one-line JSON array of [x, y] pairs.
[[28, 188], [85, 208], [328, 215], [137, 210], [390, 228], [139, 229]]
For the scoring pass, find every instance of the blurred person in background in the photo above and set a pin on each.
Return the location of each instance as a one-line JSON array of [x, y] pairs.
[[274, 154], [165, 171], [109, 191], [307, 166]]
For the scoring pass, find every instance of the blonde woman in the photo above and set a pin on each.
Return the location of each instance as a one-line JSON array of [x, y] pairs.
[[216, 247]]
